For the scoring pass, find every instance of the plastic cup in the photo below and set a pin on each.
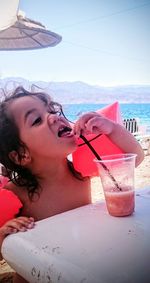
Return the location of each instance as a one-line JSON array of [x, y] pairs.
[[117, 177]]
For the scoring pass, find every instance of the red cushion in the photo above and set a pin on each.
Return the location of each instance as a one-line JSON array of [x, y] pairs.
[[83, 157], [9, 203]]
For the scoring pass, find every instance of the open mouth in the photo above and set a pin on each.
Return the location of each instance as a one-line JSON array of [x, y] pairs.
[[64, 131]]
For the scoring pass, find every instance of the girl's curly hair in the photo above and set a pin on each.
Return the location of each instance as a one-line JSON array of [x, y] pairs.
[[10, 141]]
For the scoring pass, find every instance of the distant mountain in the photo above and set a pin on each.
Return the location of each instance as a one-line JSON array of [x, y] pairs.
[[79, 92]]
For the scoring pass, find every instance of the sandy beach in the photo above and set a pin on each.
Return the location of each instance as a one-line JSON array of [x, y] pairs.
[[142, 180]]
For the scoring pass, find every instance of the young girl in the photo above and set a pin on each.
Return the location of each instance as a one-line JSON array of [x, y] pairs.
[[35, 140]]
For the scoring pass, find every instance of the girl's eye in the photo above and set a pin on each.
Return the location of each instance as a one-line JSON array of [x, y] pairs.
[[37, 121]]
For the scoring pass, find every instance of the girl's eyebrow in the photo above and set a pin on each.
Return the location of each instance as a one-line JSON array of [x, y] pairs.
[[28, 113]]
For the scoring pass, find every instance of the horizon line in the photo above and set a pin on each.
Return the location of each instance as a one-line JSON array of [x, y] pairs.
[[76, 81]]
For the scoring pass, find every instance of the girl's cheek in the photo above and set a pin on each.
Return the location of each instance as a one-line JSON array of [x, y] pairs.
[[50, 119]]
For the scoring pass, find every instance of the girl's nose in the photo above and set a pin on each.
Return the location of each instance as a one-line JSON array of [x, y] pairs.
[[52, 118]]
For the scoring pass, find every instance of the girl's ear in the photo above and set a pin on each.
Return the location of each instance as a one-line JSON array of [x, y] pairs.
[[22, 159]]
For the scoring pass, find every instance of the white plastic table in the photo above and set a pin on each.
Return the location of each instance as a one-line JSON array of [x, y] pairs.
[[85, 245]]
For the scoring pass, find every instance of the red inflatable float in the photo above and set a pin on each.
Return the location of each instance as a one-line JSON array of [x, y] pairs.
[[9, 203], [83, 156]]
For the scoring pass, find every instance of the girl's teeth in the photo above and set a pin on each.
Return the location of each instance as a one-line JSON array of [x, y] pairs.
[[65, 131]]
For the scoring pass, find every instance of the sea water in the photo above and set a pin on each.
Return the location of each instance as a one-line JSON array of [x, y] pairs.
[[140, 111]]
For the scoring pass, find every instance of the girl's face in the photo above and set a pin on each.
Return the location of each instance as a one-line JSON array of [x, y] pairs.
[[45, 134]]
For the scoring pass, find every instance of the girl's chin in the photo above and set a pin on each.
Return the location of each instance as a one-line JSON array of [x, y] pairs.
[[71, 139], [70, 144], [73, 147]]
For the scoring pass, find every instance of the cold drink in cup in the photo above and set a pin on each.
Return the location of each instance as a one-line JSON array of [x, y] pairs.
[[117, 176], [120, 203]]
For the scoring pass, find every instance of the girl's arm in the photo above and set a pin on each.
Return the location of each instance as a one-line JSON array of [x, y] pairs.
[[13, 226], [127, 142], [94, 123]]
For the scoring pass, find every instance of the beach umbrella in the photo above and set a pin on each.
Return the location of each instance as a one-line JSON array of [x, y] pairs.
[[20, 33]]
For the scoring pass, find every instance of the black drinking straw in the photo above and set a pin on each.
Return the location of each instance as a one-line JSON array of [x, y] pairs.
[[99, 158], [94, 152]]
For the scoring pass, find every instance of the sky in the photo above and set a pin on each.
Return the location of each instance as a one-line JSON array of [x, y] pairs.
[[104, 42]]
